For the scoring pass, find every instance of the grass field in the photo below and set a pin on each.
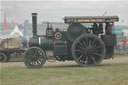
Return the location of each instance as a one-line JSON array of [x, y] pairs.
[[109, 72]]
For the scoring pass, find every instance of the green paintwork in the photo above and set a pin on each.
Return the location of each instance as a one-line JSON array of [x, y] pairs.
[[60, 48], [44, 43], [75, 30]]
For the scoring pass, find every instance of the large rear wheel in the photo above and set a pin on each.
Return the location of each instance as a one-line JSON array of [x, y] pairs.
[[34, 57], [88, 50]]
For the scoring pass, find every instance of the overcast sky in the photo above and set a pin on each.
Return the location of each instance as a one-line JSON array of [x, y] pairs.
[[52, 10]]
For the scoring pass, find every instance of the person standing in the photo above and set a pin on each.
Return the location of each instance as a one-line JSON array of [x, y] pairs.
[[124, 43]]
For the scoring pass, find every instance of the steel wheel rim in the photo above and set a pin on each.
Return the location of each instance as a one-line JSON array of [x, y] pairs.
[[2, 57], [88, 50], [34, 57]]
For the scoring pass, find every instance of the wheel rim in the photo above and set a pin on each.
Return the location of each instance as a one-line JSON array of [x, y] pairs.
[[88, 50], [2, 57], [34, 57]]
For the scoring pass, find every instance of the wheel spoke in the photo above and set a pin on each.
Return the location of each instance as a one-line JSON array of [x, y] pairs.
[[98, 54], [93, 42], [30, 55], [98, 47], [85, 44], [80, 57], [94, 45], [86, 59], [40, 59], [81, 47], [79, 53], [89, 43], [35, 52], [86, 40], [39, 56], [93, 59], [80, 44], [38, 62]]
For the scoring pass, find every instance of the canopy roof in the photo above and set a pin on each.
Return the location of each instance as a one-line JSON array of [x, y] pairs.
[[90, 19]]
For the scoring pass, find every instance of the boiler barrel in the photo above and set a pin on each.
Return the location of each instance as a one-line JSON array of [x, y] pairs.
[[42, 42]]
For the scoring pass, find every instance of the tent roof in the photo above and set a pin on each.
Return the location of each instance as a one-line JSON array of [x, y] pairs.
[[16, 32]]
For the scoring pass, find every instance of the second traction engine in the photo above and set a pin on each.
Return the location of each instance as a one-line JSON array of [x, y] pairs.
[[78, 43]]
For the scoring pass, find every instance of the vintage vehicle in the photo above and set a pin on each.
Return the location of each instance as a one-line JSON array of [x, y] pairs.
[[88, 46], [10, 46]]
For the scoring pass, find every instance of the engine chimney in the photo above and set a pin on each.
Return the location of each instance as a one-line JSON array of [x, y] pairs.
[[34, 24]]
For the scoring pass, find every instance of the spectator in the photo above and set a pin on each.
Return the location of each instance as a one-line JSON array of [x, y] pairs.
[[95, 28], [108, 28], [124, 43], [100, 28]]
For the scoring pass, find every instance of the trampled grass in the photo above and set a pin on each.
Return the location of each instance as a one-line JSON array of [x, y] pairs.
[[69, 73]]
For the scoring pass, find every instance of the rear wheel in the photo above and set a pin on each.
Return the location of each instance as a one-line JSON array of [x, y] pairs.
[[34, 57], [88, 50]]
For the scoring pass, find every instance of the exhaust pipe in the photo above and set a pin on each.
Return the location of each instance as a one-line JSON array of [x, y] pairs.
[[34, 24]]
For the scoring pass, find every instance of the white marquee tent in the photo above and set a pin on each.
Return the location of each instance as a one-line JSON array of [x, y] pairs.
[[16, 32]]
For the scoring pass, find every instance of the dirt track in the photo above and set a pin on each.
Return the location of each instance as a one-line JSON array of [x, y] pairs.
[[115, 61]]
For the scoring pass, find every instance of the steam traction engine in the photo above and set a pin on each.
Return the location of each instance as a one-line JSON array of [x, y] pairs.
[[88, 46]]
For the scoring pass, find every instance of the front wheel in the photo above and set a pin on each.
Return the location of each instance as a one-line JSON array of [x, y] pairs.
[[34, 57]]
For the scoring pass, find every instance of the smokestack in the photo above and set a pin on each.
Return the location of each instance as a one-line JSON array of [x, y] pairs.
[[34, 24]]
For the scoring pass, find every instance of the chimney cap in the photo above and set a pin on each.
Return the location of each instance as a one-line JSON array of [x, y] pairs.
[[34, 14]]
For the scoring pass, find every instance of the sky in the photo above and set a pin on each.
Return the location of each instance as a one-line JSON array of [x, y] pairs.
[[55, 10]]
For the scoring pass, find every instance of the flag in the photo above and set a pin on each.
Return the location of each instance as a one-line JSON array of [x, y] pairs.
[[25, 29], [5, 22]]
